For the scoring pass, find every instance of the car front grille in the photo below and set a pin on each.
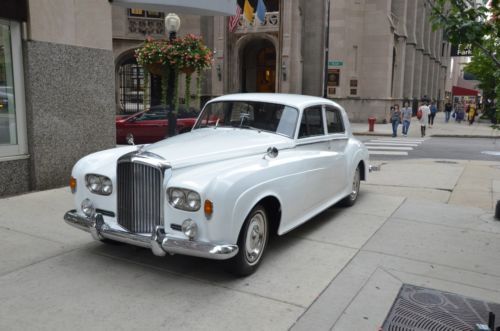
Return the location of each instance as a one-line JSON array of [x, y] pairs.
[[139, 196]]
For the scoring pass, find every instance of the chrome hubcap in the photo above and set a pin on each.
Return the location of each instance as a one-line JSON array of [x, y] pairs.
[[355, 185], [255, 238]]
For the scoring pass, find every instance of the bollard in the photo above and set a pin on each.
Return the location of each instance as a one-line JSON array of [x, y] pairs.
[[497, 210], [371, 123]]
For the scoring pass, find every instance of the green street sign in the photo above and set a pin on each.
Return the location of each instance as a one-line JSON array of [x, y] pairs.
[[335, 63]]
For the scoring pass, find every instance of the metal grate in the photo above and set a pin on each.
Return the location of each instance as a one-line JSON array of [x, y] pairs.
[[422, 309], [139, 197]]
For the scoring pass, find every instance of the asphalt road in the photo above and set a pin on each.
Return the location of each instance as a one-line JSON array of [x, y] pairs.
[[444, 148]]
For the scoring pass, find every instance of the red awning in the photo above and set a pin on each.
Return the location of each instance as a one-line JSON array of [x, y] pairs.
[[457, 90]]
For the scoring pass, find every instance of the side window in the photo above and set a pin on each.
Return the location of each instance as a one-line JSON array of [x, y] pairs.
[[334, 122], [312, 122]]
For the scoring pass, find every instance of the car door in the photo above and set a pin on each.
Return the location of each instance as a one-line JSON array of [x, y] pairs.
[[314, 146], [338, 139]]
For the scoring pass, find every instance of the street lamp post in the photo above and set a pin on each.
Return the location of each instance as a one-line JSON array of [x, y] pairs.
[[172, 25]]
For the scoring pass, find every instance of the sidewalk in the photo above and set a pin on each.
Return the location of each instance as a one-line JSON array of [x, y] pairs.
[[440, 128], [428, 224]]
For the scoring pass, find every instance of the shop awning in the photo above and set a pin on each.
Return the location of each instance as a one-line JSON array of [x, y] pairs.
[[193, 7], [457, 90]]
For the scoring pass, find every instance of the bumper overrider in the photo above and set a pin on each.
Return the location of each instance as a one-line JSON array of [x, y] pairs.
[[159, 242]]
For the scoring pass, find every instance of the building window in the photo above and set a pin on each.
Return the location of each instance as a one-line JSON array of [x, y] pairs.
[[146, 22], [12, 113]]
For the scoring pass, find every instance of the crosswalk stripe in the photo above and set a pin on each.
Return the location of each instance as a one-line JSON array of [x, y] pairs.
[[391, 144], [389, 148], [387, 153], [397, 141]]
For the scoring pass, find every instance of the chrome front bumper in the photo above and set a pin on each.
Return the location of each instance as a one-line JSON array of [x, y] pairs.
[[159, 242]]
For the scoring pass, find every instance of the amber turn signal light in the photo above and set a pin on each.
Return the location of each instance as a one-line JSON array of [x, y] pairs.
[[209, 207], [72, 184]]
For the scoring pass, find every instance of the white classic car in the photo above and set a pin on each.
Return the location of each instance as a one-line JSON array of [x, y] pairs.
[[253, 164]]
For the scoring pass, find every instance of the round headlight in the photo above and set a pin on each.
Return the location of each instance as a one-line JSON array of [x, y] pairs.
[[193, 200], [94, 183], [88, 208], [107, 186], [177, 197], [189, 228]]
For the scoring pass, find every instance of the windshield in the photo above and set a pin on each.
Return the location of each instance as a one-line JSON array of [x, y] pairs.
[[264, 116]]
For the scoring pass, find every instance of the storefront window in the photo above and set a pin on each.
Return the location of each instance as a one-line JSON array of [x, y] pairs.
[[12, 140], [8, 133]]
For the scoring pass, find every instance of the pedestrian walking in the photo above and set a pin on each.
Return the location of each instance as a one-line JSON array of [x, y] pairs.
[[433, 109], [460, 110], [471, 114], [406, 113], [395, 119], [447, 110], [423, 116]]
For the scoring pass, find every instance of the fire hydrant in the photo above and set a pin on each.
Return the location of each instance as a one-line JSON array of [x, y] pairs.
[[371, 123]]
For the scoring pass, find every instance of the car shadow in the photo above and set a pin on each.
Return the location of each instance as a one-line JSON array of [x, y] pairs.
[[213, 270]]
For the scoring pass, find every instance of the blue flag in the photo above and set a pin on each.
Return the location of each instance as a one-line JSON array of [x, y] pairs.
[[260, 12]]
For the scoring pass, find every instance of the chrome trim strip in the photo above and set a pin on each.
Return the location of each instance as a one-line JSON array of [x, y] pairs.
[[159, 242]]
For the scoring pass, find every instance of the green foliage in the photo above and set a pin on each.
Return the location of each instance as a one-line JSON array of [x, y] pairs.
[[479, 25]]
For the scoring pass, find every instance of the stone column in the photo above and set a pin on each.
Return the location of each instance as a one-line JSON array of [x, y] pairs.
[[219, 71], [399, 69], [313, 45], [419, 55], [411, 45], [283, 61]]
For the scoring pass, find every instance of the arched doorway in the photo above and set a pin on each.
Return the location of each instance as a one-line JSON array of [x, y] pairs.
[[259, 66], [130, 85]]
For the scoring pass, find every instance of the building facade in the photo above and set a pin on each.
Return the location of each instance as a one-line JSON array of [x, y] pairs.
[[56, 89], [379, 52]]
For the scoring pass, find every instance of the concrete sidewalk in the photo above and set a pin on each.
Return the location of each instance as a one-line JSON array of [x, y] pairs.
[[480, 129], [420, 222]]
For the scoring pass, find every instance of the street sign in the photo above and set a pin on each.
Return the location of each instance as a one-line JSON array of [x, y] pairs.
[[335, 63], [461, 50]]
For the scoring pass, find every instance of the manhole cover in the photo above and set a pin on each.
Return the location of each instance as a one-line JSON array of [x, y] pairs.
[[448, 162], [422, 309]]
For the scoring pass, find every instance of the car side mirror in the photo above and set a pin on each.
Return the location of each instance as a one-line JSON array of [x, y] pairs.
[[130, 139], [272, 152]]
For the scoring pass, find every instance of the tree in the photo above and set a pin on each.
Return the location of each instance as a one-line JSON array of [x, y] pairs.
[[467, 22]]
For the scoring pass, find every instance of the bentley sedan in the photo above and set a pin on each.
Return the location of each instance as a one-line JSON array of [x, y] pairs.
[[152, 125], [253, 165]]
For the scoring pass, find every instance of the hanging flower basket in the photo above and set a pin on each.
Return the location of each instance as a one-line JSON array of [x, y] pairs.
[[185, 55], [156, 68]]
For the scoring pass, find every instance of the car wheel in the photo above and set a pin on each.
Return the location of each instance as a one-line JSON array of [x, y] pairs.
[[252, 243], [353, 196]]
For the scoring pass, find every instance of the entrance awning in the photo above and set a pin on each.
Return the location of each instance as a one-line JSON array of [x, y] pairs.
[[192, 7], [462, 91]]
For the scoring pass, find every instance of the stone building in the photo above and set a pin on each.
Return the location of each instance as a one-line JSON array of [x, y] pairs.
[[380, 52]]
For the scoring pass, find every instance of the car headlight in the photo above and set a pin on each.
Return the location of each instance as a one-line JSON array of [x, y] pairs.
[[99, 184], [184, 199]]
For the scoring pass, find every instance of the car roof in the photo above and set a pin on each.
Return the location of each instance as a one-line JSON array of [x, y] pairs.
[[293, 100]]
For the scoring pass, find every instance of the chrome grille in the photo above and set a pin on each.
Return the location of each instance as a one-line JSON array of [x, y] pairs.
[[139, 196]]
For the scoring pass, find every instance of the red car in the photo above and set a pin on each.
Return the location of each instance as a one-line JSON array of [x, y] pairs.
[[151, 125]]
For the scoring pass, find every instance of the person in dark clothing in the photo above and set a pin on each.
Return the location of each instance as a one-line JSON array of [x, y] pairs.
[[447, 110], [433, 109]]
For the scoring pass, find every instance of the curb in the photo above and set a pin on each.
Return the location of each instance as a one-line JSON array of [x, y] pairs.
[[438, 135]]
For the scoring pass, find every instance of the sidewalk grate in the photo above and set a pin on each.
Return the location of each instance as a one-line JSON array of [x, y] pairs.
[[422, 309]]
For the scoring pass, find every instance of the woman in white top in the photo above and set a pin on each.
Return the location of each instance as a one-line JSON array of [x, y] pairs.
[[424, 116]]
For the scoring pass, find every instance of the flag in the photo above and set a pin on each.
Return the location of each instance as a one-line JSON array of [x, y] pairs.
[[248, 11], [260, 12], [233, 20]]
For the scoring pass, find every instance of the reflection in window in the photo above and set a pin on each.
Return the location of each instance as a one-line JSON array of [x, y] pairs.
[[334, 120], [312, 122], [8, 132]]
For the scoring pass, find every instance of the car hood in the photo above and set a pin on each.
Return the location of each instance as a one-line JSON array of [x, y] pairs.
[[211, 145]]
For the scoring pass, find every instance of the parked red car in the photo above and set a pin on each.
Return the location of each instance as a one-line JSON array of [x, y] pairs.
[[151, 125]]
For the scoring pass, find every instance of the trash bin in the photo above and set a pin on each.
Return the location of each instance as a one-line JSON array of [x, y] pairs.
[[371, 123]]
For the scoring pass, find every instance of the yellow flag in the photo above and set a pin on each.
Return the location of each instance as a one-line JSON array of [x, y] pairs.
[[248, 11]]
